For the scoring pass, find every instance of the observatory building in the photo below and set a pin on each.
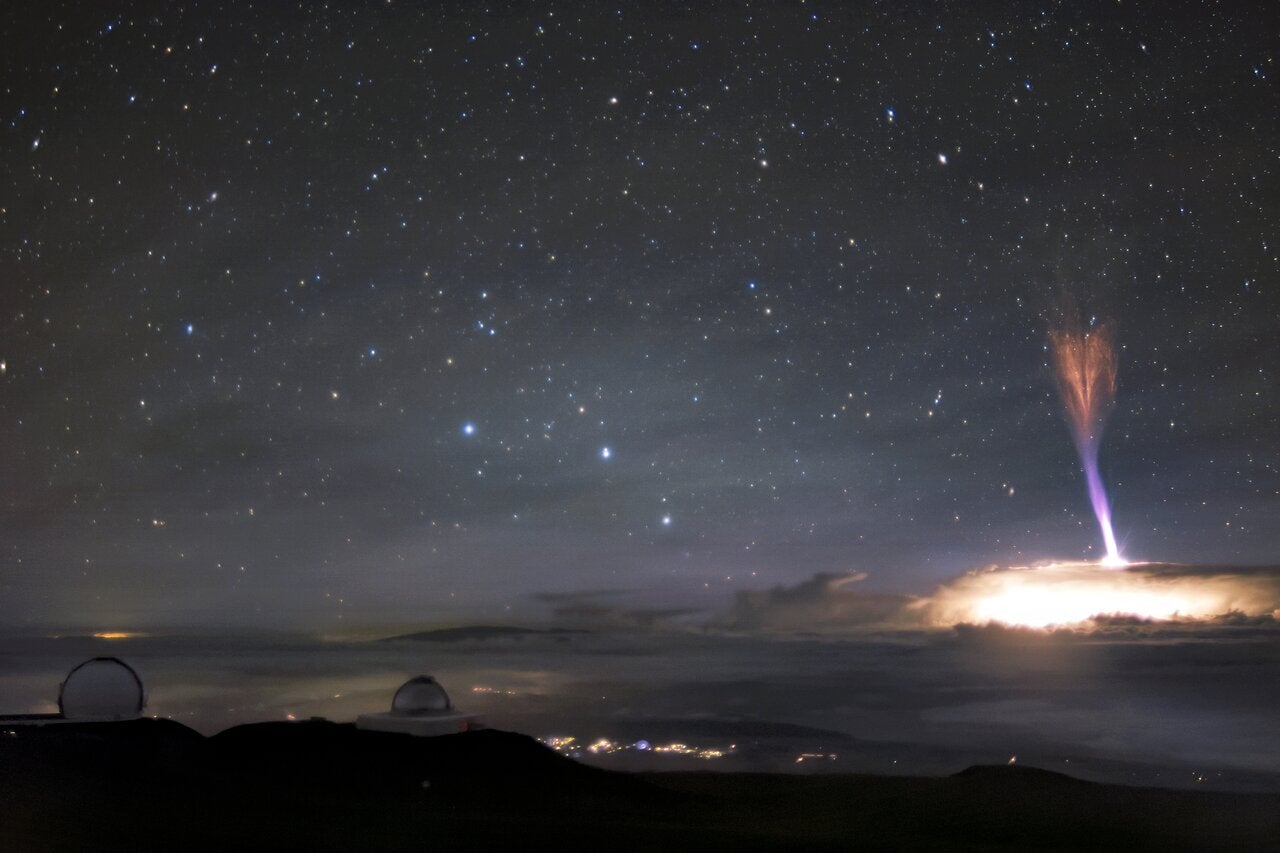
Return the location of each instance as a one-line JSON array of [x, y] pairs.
[[420, 707], [100, 690]]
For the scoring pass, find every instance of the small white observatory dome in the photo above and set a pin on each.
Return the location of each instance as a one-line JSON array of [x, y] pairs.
[[421, 695], [420, 707], [102, 689]]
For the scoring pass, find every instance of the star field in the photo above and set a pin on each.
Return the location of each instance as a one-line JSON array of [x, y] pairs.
[[371, 312]]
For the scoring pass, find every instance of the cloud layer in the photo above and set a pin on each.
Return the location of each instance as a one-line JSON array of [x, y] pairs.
[[1079, 596]]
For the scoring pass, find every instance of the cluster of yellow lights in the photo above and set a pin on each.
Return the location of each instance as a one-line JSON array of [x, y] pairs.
[[118, 635], [605, 746], [480, 688], [560, 743], [703, 752]]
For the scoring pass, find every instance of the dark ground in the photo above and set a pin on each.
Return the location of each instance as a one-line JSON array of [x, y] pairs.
[[154, 784]]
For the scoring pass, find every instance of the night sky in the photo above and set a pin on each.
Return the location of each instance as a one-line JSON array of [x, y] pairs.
[[346, 314]]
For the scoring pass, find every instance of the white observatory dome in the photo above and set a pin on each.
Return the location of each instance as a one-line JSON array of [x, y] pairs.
[[421, 695], [420, 708], [102, 689]]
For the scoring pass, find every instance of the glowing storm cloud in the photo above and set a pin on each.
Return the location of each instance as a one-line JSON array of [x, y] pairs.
[[1064, 594], [1085, 364]]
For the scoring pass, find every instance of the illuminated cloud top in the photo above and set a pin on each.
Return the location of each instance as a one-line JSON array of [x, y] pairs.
[[1070, 594], [1077, 596]]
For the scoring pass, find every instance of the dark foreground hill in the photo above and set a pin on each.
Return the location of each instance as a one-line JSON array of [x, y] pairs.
[[156, 785]]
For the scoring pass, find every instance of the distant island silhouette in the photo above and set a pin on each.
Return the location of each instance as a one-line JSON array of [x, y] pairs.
[[484, 632]]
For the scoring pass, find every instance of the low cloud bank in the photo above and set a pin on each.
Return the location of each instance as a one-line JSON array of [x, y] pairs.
[[826, 602], [1075, 593], [595, 609], [1075, 597]]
